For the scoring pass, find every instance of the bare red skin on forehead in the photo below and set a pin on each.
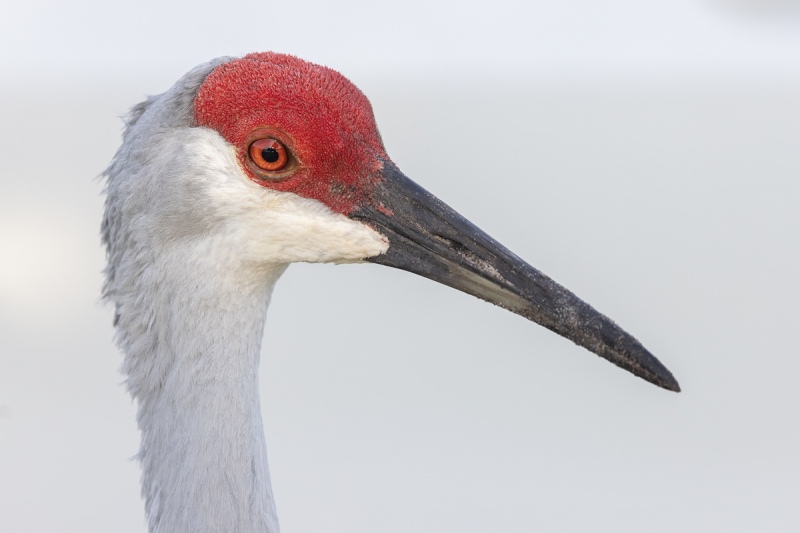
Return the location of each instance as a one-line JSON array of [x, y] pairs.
[[318, 114]]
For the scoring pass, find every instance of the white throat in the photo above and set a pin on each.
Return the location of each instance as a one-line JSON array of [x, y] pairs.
[[203, 454]]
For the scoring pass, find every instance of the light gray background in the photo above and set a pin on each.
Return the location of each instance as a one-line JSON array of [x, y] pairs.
[[644, 154]]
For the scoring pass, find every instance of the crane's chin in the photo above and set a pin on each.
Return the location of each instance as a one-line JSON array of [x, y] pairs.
[[429, 238]]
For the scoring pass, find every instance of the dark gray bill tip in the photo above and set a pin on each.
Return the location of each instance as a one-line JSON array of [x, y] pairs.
[[651, 369], [430, 239], [569, 316], [672, 384]]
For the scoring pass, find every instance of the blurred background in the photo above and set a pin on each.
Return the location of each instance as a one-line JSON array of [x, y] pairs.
[[644, 154]]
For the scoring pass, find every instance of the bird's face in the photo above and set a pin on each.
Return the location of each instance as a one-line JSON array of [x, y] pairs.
[[296, 127], [308, 154], [304, 176]]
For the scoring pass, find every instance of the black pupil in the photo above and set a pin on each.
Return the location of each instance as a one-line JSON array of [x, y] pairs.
[[270, 154]]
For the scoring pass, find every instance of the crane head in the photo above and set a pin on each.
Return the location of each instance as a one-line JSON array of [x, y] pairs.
[[285, 156], [330, 149]]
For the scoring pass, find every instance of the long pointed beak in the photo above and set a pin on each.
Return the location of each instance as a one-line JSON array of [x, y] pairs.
[[429, 238]]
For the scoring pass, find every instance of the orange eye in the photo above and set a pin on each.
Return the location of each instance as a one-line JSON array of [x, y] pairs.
[[269, 154]]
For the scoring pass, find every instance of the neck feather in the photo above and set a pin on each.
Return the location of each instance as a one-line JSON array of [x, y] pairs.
[[192, 356]]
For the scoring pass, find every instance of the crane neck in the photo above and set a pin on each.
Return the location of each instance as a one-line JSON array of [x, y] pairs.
[[192, 362]]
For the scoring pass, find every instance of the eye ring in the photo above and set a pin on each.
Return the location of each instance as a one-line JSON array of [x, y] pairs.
[[268, 154]]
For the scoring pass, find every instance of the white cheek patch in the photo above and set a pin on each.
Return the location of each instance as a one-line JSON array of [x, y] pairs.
[[291, 228], [271, 226]]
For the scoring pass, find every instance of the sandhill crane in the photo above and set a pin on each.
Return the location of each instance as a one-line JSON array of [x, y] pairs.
[[242, 167]]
